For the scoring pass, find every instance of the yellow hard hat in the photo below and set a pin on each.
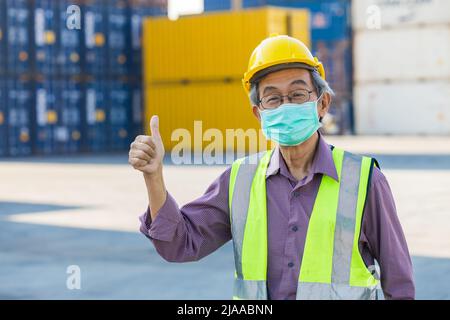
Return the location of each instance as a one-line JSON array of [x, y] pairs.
[[277, 50]]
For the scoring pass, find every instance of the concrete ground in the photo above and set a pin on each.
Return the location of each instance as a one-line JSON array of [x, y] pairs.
[[83, 210]]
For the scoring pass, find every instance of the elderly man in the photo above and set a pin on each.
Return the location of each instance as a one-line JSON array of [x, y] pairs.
[[308, 220]]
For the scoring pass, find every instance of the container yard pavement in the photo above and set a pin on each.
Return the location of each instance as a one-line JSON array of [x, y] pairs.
[[83, 210]]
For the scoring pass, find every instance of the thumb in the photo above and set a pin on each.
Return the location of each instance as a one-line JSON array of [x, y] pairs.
[[154, 127]]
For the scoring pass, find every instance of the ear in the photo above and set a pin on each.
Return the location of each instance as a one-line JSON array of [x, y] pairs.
[[324, 105], [255, 110]]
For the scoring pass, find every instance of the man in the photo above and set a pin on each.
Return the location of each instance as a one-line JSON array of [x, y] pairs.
[[307, 220]]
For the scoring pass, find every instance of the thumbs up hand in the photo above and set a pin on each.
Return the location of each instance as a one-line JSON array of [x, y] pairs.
[[147, 152]]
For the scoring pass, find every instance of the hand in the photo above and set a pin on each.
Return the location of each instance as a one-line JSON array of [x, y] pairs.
[[147, 152]]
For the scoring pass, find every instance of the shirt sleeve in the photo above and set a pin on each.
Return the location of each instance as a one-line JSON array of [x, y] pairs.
[[384, 237], [196, 229]]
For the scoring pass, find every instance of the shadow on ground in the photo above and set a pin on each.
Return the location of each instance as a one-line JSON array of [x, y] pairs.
[[122, 265]]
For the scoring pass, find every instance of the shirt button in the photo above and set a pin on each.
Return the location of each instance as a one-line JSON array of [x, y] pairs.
[[290, 264], [296, 194], [294, 228]]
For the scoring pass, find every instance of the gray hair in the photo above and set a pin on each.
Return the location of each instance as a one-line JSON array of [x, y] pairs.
[[319, 83]]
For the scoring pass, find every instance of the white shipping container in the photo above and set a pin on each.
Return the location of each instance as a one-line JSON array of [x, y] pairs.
[[416, 107], [380, 14], [402, 54]]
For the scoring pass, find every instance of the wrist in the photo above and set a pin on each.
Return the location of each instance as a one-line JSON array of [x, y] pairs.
[[153, 176]]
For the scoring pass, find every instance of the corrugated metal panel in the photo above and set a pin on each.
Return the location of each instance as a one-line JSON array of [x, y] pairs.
[[219, 106], [3, 119], [20, 105], [414, 53], [210, 46], [2, 37], [140, 9], [18, 25], [119, 102], [119, 53], [68, 133], [95, 28], [407, 107], [46, 115], [380, 14], [216, 5], [45, 35], [137, 110], [96, 115], [70, 49]]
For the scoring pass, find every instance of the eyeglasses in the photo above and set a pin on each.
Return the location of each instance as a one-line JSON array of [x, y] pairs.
[[273, 101]]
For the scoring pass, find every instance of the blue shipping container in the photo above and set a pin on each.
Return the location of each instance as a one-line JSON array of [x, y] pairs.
[[2, 37], [3, 117], [95, 28], [119, 102], [46, 116], [119, 51], [138, 11], [45, 35], [18, 25], [19, 100], [68, 132], [70, 34], [137, 110], [96, 115]]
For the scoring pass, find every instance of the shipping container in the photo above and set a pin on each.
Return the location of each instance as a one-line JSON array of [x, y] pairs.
[[46, 115], [216, 5], [19, 101], [200, 109], [2, 37], [137, 110], [406, 107], [45, 30], [212, 46], [68, 133], [331, 42], [119, 118], [382, 14], [3, 118], [96, 115], [118, 34], [19, 23], [139, 9], [402, 54], [70, 45], [95, 37]]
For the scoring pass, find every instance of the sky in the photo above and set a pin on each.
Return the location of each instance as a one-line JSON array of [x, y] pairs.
[[180, 7]]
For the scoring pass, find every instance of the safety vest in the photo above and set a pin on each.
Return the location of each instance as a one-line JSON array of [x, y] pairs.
[[332, 266]]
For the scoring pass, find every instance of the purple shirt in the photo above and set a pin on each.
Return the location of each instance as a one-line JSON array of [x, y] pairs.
[[200, 227]]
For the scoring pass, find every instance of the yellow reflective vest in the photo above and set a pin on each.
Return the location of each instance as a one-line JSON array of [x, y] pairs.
[[332, 266]]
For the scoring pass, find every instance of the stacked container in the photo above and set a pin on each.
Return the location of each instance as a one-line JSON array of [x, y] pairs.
[[193, 66], [330, 42], [402, 67], [15, 77], [69, 80]]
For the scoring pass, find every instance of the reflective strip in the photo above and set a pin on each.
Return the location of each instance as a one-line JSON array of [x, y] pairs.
[[317, 263], [345, 218], [240, 191], [250, 289], [334, 291]]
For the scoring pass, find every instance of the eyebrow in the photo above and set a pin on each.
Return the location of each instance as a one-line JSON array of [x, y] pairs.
[[298, 81]]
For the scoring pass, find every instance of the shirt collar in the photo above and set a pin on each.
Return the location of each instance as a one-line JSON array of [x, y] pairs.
[[322, 161]]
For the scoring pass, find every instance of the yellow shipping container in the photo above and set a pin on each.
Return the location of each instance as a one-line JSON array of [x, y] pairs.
[[202, 112], [193, 69], [213, 46]]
